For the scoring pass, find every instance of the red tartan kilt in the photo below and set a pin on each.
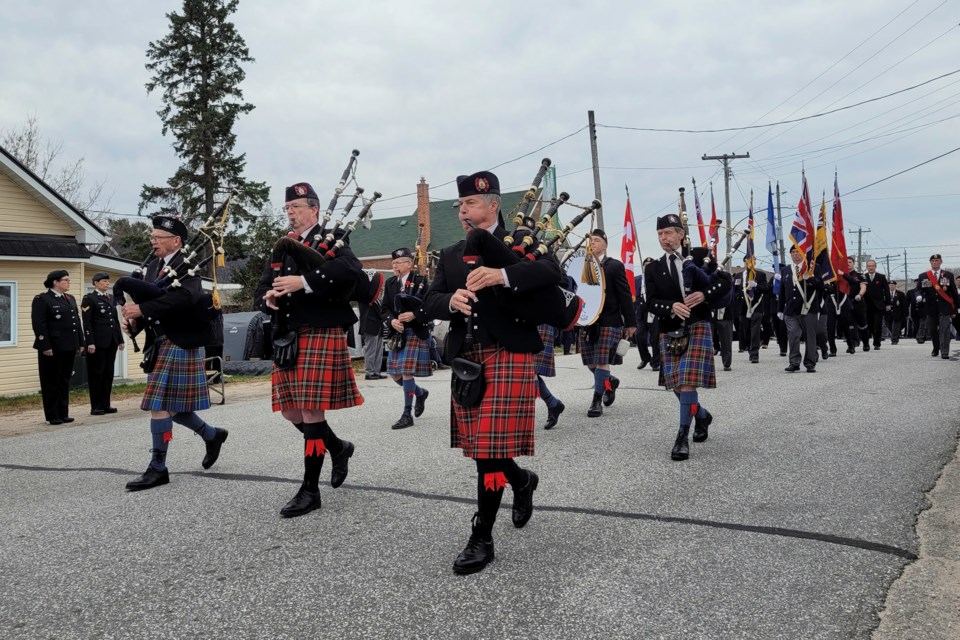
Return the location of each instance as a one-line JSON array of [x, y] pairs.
[[323, 379], [412, 360], [503, 425], [696, 366], [544, 363], [178, 383]]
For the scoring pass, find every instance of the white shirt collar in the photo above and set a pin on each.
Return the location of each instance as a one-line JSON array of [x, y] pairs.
[[56, 293]]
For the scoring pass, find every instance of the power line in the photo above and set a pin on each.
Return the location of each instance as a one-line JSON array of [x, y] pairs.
[[942, 155], [774, 124]]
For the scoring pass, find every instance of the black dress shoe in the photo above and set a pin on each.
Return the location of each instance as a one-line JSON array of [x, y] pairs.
[[596, 408], [66, 420], [866, 347], [418, 405], [553, 415], [523, 501], [151, 478], [654, 367], [110, 410], [340, 464], [373, 376], [681, 448], [406, 420], [754, 360], [97, 412], [441, 366], [701, 427], [611, 395], [304, 502], [479, 550], [877, 347], [824, 355], [57, 421], [213, 447], [793, 367], [727, 369], [945, 357], [811, 369], [642, 364], [833, 353], [934, 353], [851, 350], [783, 354]]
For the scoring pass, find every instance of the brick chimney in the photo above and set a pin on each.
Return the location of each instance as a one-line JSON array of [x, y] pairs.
[[423, 213]]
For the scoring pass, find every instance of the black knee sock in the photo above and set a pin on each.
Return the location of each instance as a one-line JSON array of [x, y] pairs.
[[491, 479], [517, 476], [322, 431], [312, 464]]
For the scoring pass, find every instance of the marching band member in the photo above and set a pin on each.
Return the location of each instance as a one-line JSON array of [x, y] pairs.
[[484, 329], [177, 385], [412, 357], [598, 342], [315, 306], [683, 307], [544, 365]]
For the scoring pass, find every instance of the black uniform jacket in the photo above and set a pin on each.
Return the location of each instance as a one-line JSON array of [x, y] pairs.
[[101, 327], [898, 307], [663, 290], [328, 305], [56, 322], [878, 291], [855, 279], [174, 313], [495, 320], [933, 303], [617, 308], [417, 286], [760, 293], [371, 320], [791, 296]]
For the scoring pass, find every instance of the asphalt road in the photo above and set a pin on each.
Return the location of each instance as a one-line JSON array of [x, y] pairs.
[[791, 521]]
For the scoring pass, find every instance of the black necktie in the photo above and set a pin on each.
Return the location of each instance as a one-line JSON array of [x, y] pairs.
[[675, 273]]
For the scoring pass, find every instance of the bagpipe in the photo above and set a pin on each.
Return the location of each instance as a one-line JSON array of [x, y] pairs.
[[406, 301], [554, 304], [193, 260], [325, 244]]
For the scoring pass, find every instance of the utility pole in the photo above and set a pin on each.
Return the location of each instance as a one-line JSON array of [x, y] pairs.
[[726, 158], [887, 258], [596, 166], [783, 255], [906, 276], [860, 231]]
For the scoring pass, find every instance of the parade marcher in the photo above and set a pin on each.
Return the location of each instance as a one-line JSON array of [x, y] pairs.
[[598, 342], [722, 316], [683, 305], [501, 427], [176, 385], [750, 296], [315, 305], [640, 310], [937, 289], [403, 314], [58, 339], [103, 337], [858, 303], [839, 313], [371, 335], [897, 315], [878, 301], [800, 299], [544, 366]]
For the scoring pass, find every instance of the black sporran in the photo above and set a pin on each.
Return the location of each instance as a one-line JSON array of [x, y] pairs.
[[285, 349], [468, 382], [677, 341], [150, 353]]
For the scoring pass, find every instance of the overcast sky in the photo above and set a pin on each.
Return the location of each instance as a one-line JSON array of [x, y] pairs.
[[437, 89]]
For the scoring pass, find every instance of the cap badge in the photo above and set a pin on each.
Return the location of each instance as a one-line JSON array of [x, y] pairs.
[[167, 224], [481, 184], [300, 190]]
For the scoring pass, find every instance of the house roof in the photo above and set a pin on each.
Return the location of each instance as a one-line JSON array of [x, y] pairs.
[[87, 230], [388, 234], [31, 245]]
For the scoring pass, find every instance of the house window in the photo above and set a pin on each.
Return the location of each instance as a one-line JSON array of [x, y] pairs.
[[8, 314]]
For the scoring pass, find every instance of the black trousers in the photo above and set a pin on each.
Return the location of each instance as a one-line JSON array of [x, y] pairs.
[[100, 376], [55, 374], [642, 336], [750, 330], [724, 331], [875, 323]]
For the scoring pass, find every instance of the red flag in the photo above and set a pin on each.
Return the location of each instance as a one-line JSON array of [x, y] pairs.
[[838, 252], [696, 203], [714, 226], [628, 247]]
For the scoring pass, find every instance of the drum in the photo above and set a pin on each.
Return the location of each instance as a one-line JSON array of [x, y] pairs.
[[587, 273]]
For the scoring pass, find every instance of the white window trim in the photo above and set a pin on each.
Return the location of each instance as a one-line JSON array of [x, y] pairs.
[[13, 313]]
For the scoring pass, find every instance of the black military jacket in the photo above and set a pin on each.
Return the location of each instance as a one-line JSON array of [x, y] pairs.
[[792, 295], [663, 290], [56, 322], [101, 327], [617, 308], [933, 302]]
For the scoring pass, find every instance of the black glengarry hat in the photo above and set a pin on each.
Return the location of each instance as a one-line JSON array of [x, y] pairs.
[[480, 183], [599, 234], [669, 220], [172, 225], [300, 190], [402, 252]]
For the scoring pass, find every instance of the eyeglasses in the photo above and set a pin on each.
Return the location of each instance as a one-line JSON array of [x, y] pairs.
[[156, 237], [288, 207]]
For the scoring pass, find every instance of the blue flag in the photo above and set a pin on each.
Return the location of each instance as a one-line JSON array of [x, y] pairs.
[[773, 245]]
